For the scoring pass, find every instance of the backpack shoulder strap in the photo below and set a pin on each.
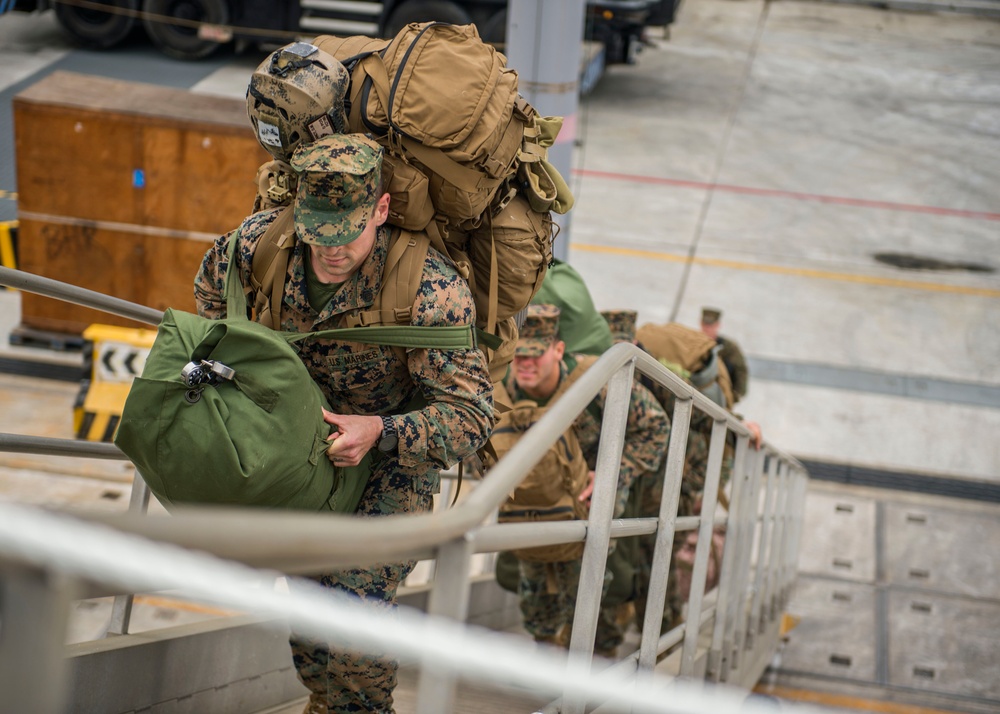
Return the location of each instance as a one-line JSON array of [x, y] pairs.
[[269, 268], [583, 363], [401, 278]]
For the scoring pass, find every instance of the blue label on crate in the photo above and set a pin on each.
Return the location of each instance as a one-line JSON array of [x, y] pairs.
[[138, 178]]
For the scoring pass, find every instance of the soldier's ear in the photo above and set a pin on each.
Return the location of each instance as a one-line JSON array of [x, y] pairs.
[[559, 348], [382, 209]]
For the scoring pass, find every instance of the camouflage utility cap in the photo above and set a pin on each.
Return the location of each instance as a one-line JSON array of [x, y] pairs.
[[622, 324], [540, 330], [710, 315], [339, 177]]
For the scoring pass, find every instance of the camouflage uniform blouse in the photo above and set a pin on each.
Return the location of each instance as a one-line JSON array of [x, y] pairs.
[[646, 431], [369, 379]]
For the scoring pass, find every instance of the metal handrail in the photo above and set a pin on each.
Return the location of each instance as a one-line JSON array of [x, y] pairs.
[[48, 287], [326, 541], [317, 542]]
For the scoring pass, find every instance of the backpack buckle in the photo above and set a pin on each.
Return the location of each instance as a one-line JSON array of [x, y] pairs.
[[401, 315]]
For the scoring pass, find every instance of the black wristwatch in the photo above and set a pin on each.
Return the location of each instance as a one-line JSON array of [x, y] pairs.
[[389, 443]]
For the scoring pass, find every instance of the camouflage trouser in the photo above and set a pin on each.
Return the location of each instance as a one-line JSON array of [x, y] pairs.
[[650, 487], [351, 680], [548, 601], [548, 597], [650, 494]]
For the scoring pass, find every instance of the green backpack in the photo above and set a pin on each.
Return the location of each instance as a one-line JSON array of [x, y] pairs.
[[226, 413]]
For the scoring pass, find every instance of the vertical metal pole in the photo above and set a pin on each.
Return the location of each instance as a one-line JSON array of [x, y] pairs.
[[776, 562], [705, 528], [34, 610], [602, 504], [798, 498], [663, 549], [729, 588], [750, 470], [449, 598], [121, 609], [765, 547], [545, 46]]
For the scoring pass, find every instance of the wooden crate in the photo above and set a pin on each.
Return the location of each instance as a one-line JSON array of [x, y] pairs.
[[121, 188]]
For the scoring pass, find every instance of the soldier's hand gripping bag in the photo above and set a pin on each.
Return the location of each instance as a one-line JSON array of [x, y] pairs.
[[225, 413]]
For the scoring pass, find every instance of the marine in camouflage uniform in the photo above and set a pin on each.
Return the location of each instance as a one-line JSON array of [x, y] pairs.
[[730, 354], [648, 490], [548, 590], [338, 209]]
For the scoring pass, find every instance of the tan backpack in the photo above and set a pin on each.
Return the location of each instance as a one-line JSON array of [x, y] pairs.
[[466, 156], [691, 354], [551, 490]]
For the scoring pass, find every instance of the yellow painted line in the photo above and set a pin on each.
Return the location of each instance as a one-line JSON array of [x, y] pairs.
[[843, 701], [785, 270], [171, 604], [12, 195]]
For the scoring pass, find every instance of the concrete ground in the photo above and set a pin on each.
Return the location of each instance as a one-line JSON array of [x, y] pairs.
[[758, 161]]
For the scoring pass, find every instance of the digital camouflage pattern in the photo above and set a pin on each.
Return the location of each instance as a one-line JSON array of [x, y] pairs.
[[540, 329], [296, 95], [710, 315], [622, 324], [736, 365], [547, 594], [339, 179], [650, 494], [647, 431], [371, 380]]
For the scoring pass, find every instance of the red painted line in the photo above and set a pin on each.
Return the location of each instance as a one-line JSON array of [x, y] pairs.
[[794, 195]]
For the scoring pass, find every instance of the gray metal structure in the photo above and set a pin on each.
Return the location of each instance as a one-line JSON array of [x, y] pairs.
[[543, 42], [729, 637]]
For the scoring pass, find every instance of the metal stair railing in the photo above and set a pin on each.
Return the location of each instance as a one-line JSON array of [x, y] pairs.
[[749, 597]]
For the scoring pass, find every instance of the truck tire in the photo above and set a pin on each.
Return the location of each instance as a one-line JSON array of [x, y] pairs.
[[181, 41], [97, 29], [424, 11], [494, 30]]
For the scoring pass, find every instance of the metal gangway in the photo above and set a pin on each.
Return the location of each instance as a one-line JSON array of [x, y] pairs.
[[230, 557]]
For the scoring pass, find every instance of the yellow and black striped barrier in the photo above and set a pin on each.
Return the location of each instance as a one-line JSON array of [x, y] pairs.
[[8, 244], [113, 357]]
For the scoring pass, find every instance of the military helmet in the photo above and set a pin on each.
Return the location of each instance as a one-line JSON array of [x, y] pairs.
[[297, 95]]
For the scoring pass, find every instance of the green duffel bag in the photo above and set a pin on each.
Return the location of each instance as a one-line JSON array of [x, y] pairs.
[[249, 433], [581, 326], [226, 413]]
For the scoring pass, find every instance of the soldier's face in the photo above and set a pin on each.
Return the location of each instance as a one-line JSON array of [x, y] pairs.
[[336, 264], [711, 330], [539, 376]]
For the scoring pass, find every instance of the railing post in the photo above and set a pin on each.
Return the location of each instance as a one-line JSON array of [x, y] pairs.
[[794, 536], [705, 529], [663, 550], [766, 545], [777, 560], [602, 502], [729, 589], [34, 610], [747, 514], [121, 609], [449, 598]]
